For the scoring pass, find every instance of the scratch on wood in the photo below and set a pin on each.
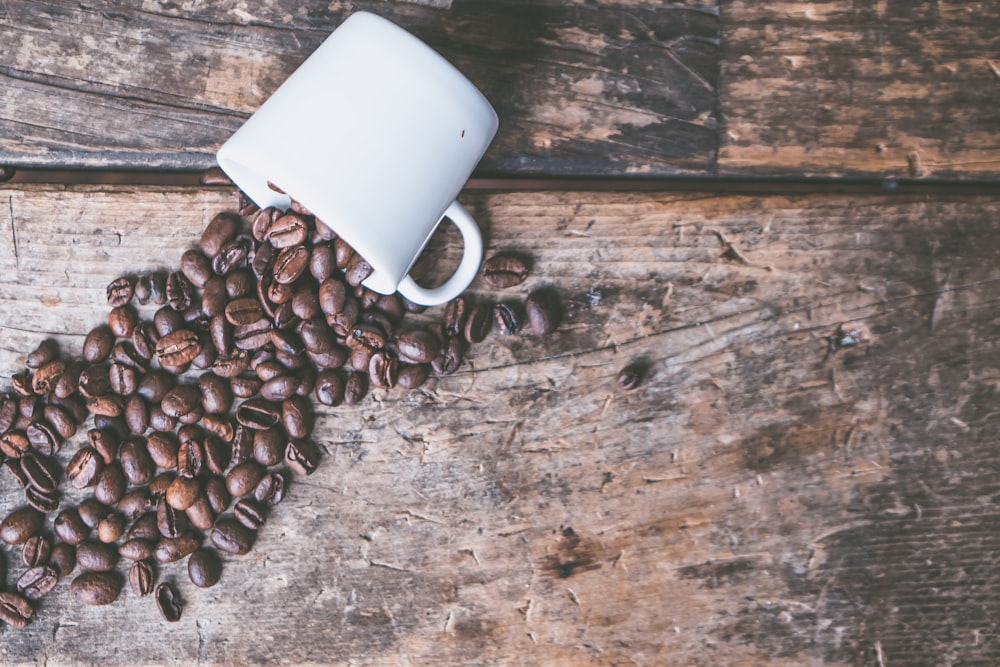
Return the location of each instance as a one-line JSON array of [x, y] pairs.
[[573, 597], [731, 250], [388, 566], [993, 67], [13, 232], [879, 655]]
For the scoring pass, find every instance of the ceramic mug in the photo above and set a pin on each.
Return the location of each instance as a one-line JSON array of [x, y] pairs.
[[375, 134]]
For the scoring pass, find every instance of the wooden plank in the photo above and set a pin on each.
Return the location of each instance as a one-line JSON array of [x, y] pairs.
[[805, 476], [604, 88], [886, 89]]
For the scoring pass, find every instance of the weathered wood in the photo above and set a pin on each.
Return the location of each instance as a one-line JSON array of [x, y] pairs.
[[806, 475], [891, 89], [605, 88]]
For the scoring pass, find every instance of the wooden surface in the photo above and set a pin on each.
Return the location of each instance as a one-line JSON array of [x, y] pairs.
[[768, 495]]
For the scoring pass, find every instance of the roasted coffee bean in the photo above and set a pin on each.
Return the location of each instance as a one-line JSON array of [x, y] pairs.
[[143, 528], [342, 253], [182, 492], [137, 464], [220, 331], [279, 388], [111, 527], [110, 484], [242, 444], [355, 388], [155, 384], [200, 514], [302, 457], [418, 346], [232, 365], [361, 358], [217, 494], [221, 427], [245, 387], [232, 256], [412, 376], [91, 511], [162, 447], [269, 446], [383, 369], [252, 336], [14, 444], [181, 400], [316, 335], [244, 477], [45, 378], [217, 454], [257, 413], [82, 469], [43, 472], [543, 310], [260, 265], [13, 466], [37, 582], [122, 320], [15, 610], [144, 338], [180, 293], [69, 527], [249, 513], [214, 297], [216, 393], [105, 442], [204, 568], [329, 387], [287, 230], [452, 353], [61, 420], [171, 549], [289, 264], [63, 558], [143, 290], [43, 501], [367, 336], [343, 322], [96, 556], [478, 322], [305, 302], [222, 229], [97, 588], [178, 347], [630, 377], [120, 291], [138, 549], [9, 411], [21, 384], [123, 379], [108, 405], [137, 502], [75, 406], [141, 578], [46, 351], [232, 537], [168, 602], [171, 522], [136, 414], [270, 490], [190, 457], [366, 297], [196, 267], [296, 417], [36, 551], [332, 296], [262, 221], [68, 384], [159, 484], [455, 314], [167, 319], [357, 270], [246, 310], [509, 317], [505, 270], [240, 284]]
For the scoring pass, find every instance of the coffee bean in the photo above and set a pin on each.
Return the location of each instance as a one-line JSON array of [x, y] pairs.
[[178, 347], [111, 527], [141, 578], [204, 568], [252, 336], [159, 485], [289, 264], [232, 256], [171, 549], [136, 414], [96, 556], [452, 353], [61, 420], [249, 513], [181, 400], [221, 427], [269, 446], [137, 549], [14, 444], [455, 314], [418, 346], [240, 283], [302, 457], [108, 405], [144, 528], [630, 377], [383, 369], [138, 501], [9, 411], [20, 525], [232, 365], [509, 317], [270, 490], [109, 486], [180, 293], [196, 267], [505, 270], [220, 331], [63, 558], [222, 229], [36, 551], [412, 376], [343, 253], [168, 602], [167, 319], [69, 527], [67, 385], [82, 469], [45, 378], [120, 291], [190, 457], [478, 322], [143, 290], [245, 387], [37, 582], [97, 588], [136, 462], [232, 537], [246, 310], [43, 472], [46, 351], [200, 514], [122, 320], [260, 265], [244, 477], [43, 501], [329, 387], [13, 466], [217, 494], [182, 493], [296, 417], [357, 270], [91, 511], [543, 310], [15, 611], [257, 413], [355, 388], [287, 230]]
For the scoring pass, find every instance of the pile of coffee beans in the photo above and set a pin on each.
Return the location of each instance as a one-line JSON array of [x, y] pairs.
[[195, 398]]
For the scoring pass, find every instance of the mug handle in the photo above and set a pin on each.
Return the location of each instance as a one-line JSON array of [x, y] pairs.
[[467, 268]]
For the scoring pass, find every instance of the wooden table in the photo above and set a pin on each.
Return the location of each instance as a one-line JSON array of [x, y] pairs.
[[787, 212]]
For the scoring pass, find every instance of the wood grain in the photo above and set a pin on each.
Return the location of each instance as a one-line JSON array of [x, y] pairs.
[[806, 475], [890, 89], [604, 88]]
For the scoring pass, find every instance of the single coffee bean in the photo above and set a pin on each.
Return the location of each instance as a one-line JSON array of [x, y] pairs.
[[97, 588], [262, 221], [217, 494], [181, 400], [136, 502], [204, 568], [15, 610], [287, 230], [269, 446], [243, 478], [91, 511], [168, 602], [240, 284], [143, 290], [478, 322], [122, 320], [329, 387], [232, 256], [418, 346], [141, 578], [196, 267], [105, 443], [143, 528], [9, 411], [218, 454], [260, 265], [232, 537], [43, 472], [82, 469], [36, 551], [154, 385], [46, 351], [357, 270], [13, 466], [45, 378], [412, 376], [296, 417], [110, 484], [67, 386], [232, 365], [270, 490], [302, 457], [452, 353], [166, 319], [69, 527], [455, 314], [137, 549], [108, 405], [630, 377], [171, 522], [96, 556], [290, 263], [355, 388], [509, 317], [171, 549], [43, 501], [216, 393], [21, 384], [20, 525], [200, 514], [257, 413], [120, 291], [37, 582], [178, 347], [137, 464], [180, 292], [222, 229], [191, 455], [249, 513], [162, 447], [159, 485], [505, 270], [63, 558], [246, 310], [61, 420], [14, 444], [182, 493], [383, 369], [343, 253], [136, 414], [111, 527], [543, 310]]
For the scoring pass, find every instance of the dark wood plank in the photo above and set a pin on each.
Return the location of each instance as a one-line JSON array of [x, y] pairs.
[[807, 475], [603, 88], [873, 88]]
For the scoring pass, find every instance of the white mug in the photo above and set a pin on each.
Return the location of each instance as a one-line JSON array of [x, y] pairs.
[[375, 134]]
